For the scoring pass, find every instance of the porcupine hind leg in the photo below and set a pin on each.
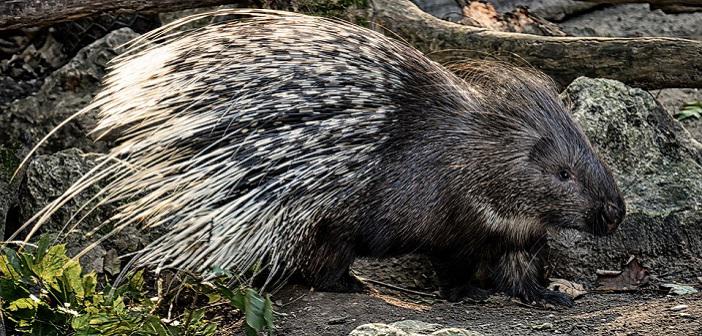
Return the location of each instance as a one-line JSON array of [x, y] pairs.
[[455, 279], [329, 260], [517, 274]]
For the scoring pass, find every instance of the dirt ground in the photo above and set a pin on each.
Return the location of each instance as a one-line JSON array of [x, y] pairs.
[[643, 313], [302, 311]]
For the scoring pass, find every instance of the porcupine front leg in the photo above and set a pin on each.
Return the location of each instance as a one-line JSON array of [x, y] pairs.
[[517, 274], [455, 279], [328, 269], [329, 261]]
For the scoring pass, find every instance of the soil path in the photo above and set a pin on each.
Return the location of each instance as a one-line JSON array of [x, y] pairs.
[[643, 313]]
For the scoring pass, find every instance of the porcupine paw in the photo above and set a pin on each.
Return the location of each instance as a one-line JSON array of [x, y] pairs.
[[347, 283], [544, 296], [556, 298], [458, 293]]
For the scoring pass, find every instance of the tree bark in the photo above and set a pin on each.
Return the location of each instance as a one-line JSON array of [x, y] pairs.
[[675, 9], [648, 62], [652, 2], [17, 14]]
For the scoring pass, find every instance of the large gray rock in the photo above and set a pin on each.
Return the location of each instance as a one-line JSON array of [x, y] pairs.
[[63, 93], [25, 121], [554, 10], [674, 99], [634, 20], [46, 178], [10, 157], [442, 9], [657, 164]]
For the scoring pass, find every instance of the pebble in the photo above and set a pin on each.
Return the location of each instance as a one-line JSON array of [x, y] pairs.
[[542, 326], [680, 289], [340, 320], [679, 307]]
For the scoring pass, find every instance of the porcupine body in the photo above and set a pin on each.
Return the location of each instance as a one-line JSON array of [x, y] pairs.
[[300, 143]]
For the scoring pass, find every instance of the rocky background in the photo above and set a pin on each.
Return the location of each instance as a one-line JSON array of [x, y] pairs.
[[48, 74]]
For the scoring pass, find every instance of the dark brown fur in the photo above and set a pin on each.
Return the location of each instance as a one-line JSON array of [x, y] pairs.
[[479, 187]]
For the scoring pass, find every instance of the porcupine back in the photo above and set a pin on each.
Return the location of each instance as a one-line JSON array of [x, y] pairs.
[[240, 136]]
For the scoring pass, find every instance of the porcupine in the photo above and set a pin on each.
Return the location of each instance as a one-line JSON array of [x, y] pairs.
[[300, 143]]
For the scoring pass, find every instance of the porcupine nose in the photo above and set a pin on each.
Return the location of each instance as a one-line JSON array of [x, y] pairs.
[[614, 214]]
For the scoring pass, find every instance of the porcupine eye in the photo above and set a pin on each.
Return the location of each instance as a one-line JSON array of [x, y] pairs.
[[564, 175]]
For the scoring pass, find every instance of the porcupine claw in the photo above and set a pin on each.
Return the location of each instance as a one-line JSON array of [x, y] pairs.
[[546, 296]]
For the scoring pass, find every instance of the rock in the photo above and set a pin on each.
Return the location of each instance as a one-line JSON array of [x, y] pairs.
[[46, 178], [674, 99], [26, 60], [10, 157], [63, 93], [680, 289], [377, 329], [553, 10], [679, 307], [443, 9], [542, 326], [409, 328], [416, 327], [572, 289], [631, 20], [657, 165], [112, 264]]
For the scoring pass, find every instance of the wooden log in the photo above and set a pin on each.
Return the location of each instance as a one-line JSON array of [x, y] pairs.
[[17, 14], [647, 62], [691, 3]]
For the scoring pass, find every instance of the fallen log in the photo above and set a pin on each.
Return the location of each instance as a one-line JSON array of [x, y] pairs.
[[691, 3], [646, 62], [17, 14]]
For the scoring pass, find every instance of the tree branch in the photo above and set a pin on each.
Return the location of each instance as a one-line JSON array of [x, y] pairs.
[[693, 3], [649, 62], [17, 14]]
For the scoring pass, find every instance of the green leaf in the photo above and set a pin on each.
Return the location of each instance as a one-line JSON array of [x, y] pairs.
[[81, 323], [42, 246], [155, 327], [235, 298], [250, 331], [690, 110], [23, 303], [71, 277], [118, 305], [10, 265], [136, 282], [12, 290], [213, 297], [268, 312], [254, 309], [52, 265], [89, 283]]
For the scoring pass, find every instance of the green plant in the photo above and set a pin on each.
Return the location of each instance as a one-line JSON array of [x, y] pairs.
[[44, 292], [690, 110]]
